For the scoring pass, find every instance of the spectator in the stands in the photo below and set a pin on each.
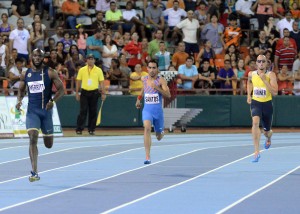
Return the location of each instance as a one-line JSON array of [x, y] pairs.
[[226, 75], [190, 28], [153, 46], [286, 22], [15, 72], [232, 33], [264, 10], [36, 18], [285, 55], [5, 27], [4, 54], [163, 57], [262, 44], [179, 57], [212, 31], [243, 8], [285, 81], [295, 34], [286, 33], [59, 35], [72, 10], [174, 14], [99, 22], [136, 83], [206, 76], [22, 9], [19, 38], [37, 36], [154, 16], [114, 18], [102, 5], [206, 52], [187, 74], [279, 9], [94, 44], [132, 20]]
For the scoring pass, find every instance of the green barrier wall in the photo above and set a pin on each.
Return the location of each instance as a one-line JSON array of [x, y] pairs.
[[218, 111]]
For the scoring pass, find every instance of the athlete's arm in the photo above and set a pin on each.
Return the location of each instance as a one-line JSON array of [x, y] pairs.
[[249, 87], [138, 100], [58, 85], [21, 91], [164, 89], [272, 85]]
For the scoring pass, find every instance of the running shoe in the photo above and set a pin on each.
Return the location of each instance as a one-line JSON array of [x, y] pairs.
[[256, 158], [268, 142], [34, 177], [147, 161]]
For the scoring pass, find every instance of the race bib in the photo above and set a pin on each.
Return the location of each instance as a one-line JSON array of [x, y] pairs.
[[151, 98], [259, 92], [36, 87]]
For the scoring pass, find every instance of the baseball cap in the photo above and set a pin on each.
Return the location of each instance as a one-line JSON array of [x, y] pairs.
[[90, 56]]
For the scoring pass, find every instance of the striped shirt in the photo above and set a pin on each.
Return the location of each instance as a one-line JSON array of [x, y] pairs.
[[286, 56]]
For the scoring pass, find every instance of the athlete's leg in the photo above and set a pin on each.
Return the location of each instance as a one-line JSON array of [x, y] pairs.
[[147, 138], [47, 129], [267, 118], [33, 150], [158, 123], [256, 133], [48, 141]]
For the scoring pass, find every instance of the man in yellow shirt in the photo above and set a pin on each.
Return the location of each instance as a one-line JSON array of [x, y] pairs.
[[263, 84], [136, 83], [89, 78]]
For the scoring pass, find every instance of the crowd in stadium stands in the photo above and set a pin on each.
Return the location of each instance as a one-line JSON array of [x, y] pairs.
[[213, 44]]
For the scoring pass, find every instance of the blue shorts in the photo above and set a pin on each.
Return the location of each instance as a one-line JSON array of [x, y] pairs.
[[156, 119], [264, 110], [39, 119]]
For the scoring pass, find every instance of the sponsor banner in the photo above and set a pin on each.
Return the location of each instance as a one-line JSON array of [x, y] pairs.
[[6, 127], [18, 118]]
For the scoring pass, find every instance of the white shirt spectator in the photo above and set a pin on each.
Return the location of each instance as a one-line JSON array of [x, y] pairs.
[[284, 23], [244, 7], [102, 5], [2, 54], [129, 14], [20, 38], [107, 60], [174, 16], [189, 29], [16, 72], [296, 65]]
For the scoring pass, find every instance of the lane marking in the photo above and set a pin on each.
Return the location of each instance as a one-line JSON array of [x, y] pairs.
[[89, 183], [256, 191], [172, 186], [186, 181], [113, 176], [74, 164]]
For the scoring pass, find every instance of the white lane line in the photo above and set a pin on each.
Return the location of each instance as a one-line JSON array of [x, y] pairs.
[[172, 186], [186, 181], [2, 182], [256, 191], [14, 147], [103, 179], [57, 151]]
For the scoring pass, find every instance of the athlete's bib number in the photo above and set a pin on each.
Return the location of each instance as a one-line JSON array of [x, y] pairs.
[[36, 87], [260, 92], [151, 98]]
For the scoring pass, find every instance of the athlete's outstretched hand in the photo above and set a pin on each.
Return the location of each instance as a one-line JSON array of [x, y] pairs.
[[138, 104], [49, 105], [18, 106]]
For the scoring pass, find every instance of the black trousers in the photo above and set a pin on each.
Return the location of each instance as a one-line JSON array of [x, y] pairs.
[[88, 105]]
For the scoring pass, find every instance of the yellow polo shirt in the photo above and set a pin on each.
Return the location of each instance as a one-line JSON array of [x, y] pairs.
[[90, 78]]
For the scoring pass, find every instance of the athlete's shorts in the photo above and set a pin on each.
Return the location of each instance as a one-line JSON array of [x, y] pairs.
[[156, 119], [39, 119], [264, 110]]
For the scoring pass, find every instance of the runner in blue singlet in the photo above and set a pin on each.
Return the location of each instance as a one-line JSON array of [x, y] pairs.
[[154, 88]]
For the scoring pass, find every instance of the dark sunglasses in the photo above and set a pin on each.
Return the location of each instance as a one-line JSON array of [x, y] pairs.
[[260, 61]]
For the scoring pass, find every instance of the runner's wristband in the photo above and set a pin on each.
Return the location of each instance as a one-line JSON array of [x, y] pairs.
[[52, 101], [140, 97]]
